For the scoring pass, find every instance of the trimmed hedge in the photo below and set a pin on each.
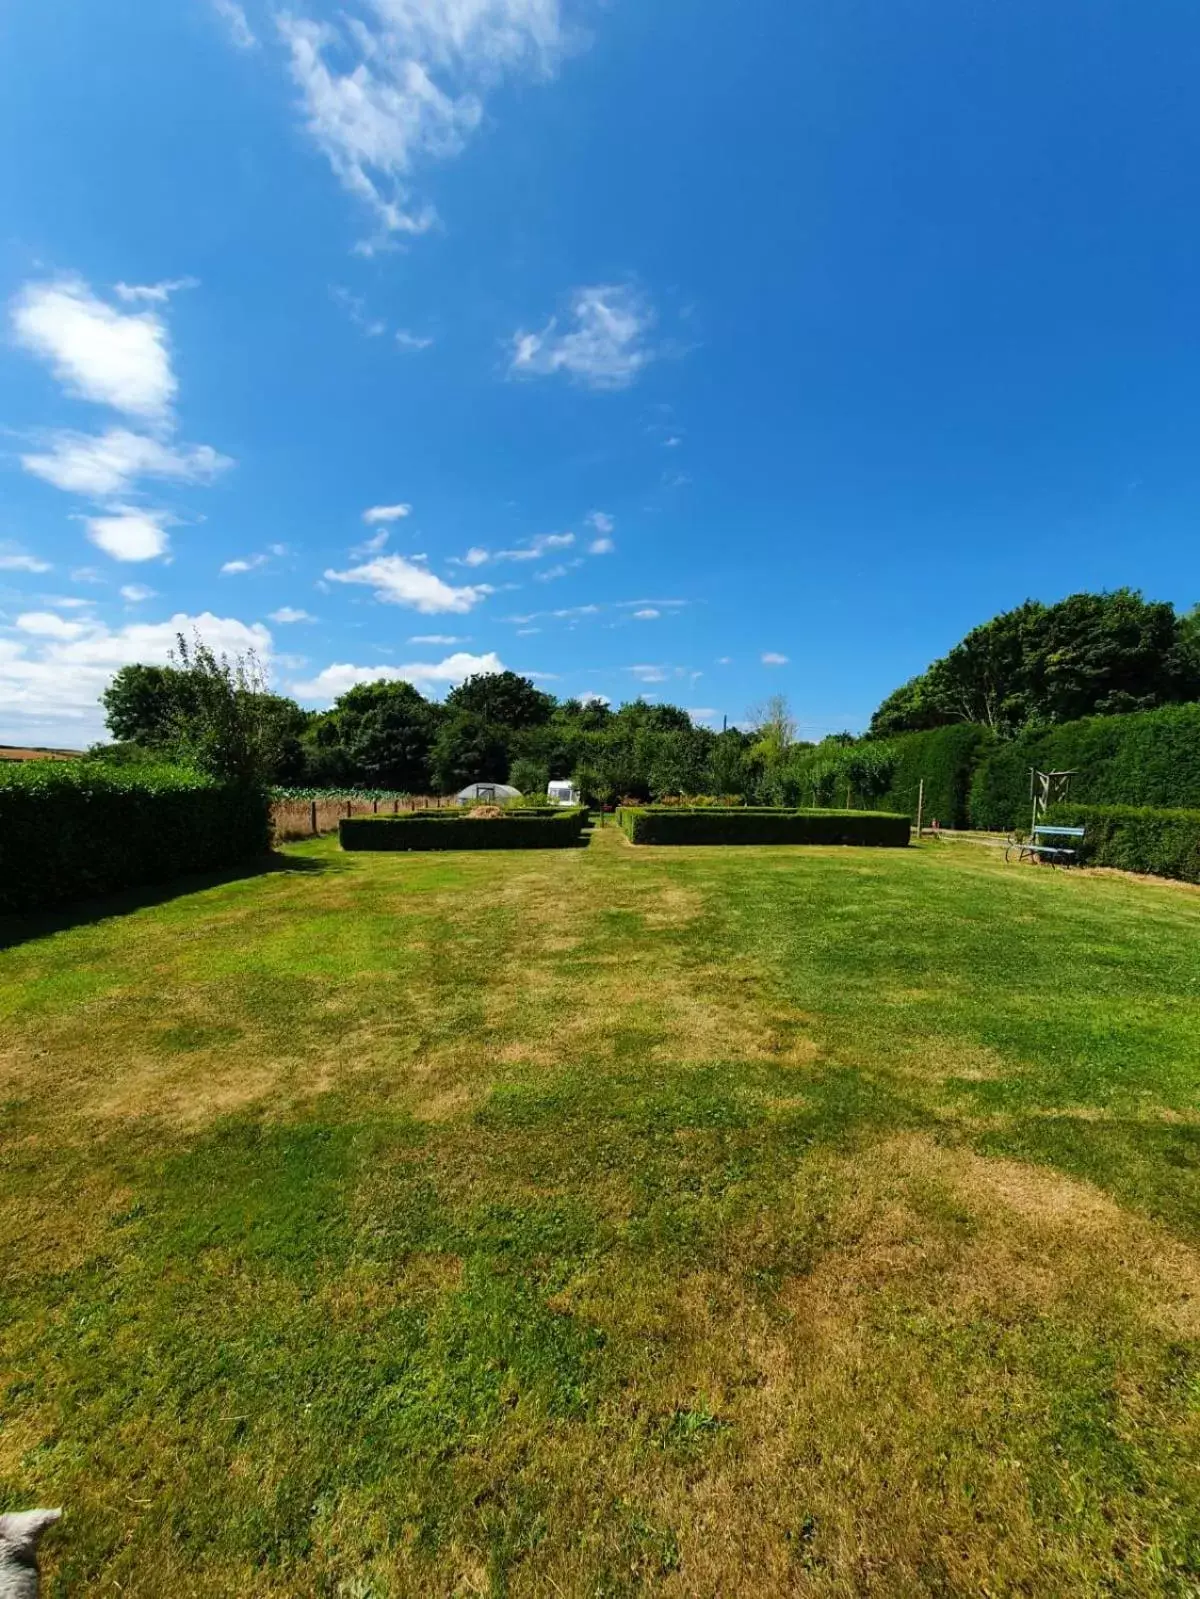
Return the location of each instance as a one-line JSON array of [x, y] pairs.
[[75, 830], [945, 757], [448, 830], [650, 825], [1136, 838], [1145, 758]]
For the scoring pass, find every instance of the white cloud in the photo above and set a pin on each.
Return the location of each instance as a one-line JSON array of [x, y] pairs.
[[770, 658], [356, 309], [154, 293], [15, 561], [111, 463], [129, 534], [289, 613], [702, 713], [385, 513], [605, 348], [532, 550], [601, 547], [649, 674], [337, 679], [411, 341], [724, 660], [436, 638], [476, 556], [382, 98], [45, 624], [600, 521], [400, 582], [240, 32], [552, 573], [594, 699], [135, 593], [98, 353], [53, 682], [648, 615], [244, 564]]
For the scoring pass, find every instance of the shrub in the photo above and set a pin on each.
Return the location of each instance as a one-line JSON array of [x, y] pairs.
[[651, 825], [1145, 758], [451, 830], [1136, 838], [74, 830], [945, 757]]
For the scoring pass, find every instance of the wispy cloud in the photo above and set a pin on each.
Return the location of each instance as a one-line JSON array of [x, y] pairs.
[[100, 465], [129, 534], [603, 345], [771, 658], [649, 674], [437, 638], [234, 17], [602, 524], [137, 593], [154, 293], [647, 615], [385, 513], [412, 341], [286, 614], [355, 308], [98, 353], [12, 560], [336, 680], [384, 97], [400, 582], [532, 550]]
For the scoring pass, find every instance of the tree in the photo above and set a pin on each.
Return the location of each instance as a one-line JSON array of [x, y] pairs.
[[467, 750], [502, 698], [1090, 654], [143, 704], [387, 730], [529, 775], [226, 723]]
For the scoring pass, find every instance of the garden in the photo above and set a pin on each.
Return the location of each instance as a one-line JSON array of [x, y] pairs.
[[608, 1220]]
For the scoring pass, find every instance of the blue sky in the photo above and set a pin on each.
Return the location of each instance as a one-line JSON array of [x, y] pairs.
[[688, 349]]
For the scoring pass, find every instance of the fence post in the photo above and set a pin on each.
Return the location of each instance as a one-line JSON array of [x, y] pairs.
[[920, 806], [375, 807], [314, 816]]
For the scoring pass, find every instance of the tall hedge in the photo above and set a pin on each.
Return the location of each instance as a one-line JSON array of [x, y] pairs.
[[1147, 758], [673, 825], [516, 829], [1137, 838], [946, 758], [72, 830]]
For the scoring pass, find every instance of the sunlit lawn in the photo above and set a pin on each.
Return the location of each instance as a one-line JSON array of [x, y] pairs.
[[611, 1221]]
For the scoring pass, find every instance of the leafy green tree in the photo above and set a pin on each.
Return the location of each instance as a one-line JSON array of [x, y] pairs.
[[387, 730], [503, 699], [1090, 654], [467, 750], [143, 704], [226, 723], [529, 775]]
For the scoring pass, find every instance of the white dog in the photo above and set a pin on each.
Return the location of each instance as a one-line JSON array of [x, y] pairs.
[[19, 1536]]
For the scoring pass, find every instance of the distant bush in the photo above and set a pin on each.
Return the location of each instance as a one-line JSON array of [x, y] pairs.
[[654, 825], [945, 757], [74, 830], [1136, 838], [460, 830], [1145, 758]]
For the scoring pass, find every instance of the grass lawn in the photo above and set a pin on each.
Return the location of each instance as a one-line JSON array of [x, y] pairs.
[[613, 1221]]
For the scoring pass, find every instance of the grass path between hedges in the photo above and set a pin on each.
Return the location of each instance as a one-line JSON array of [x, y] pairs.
[[608, 1222]]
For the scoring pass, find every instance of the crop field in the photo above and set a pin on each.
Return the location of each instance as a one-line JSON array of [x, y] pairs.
[[613, 1221]]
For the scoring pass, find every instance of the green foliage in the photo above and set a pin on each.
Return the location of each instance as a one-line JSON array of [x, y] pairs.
[[945, 757], [467, 750], [1091, 654], [386, 731], [74, 830], [1152, 758], [1136, 838], [673, 825], [143, 704], [452, 830], [530, 776], [502, 699]]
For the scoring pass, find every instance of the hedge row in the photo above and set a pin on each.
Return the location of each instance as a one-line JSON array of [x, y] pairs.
[[1149, 758], [946, 757], [448, 830], [1136, 838], [74, 830], [651, 825]]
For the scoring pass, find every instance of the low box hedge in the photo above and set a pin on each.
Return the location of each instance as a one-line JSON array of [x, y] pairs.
[[73, 830], [651, 825], [456, 830], [1136, 838]]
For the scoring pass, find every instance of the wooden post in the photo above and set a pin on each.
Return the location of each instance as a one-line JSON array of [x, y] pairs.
[[920, 805], [375, 807], [314, 816]]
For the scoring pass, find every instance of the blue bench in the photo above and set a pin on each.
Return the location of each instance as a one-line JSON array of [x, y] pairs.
[[1036, 850]]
